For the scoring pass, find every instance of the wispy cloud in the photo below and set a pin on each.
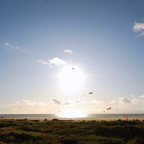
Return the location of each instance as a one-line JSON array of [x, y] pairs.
[[56, 101], [68, 51], [128, 105], [139, 28], [10, 46], [132, 100], [124, 100], [97, 102], [26, 102], [30, 103], [43, 62], [69, 102], [138, 99], [59, 102], [55, 62]]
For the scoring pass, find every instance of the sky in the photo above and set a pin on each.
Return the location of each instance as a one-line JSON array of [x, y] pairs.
[[71, 56]]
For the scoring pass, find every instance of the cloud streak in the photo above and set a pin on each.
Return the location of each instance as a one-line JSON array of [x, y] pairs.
[[132, 100], [97, 102], [121, 100], [56, 101], [68, 51], [138, 99], [124, 100], [59, 102], [55, 62], [30, 103], [10, 46]]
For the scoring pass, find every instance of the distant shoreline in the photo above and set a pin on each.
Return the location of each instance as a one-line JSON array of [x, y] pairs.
[[97, 117]]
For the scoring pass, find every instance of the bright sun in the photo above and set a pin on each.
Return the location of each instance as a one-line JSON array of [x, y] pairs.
[[72, 113], [71, 79]]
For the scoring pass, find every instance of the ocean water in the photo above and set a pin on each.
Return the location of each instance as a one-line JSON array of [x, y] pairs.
[[88, 117], [28, 116], [117, 116]]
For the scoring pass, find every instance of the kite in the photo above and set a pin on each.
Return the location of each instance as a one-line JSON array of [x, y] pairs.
[[126, 117], [90, 92], [109, 108]]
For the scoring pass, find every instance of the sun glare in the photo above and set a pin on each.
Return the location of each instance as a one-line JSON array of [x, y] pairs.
[[71, 79], [72, 113]]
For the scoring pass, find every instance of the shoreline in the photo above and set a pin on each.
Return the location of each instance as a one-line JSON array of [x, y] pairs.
[[75, 119], [96, 117]]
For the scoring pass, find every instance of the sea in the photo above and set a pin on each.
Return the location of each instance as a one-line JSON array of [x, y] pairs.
[[88, 117]]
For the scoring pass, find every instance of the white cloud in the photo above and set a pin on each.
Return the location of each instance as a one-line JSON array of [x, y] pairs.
[[7, 44], [56, 101], [41, 103], [26, 103], [76, 102], [138, 99], [30, 103], [79, 102], [142, 96], [133, 104], [124, 100], [141, 34], [97, 102], [132, 100], [68, 51], [55, 62], [69, 102], [10, 46], [139, 28], [42, 62], [114, 102]]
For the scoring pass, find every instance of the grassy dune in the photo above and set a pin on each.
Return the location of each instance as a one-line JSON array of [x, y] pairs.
[[23, 131]]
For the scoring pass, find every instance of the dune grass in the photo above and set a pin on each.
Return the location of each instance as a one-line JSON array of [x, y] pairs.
[[23, 131]]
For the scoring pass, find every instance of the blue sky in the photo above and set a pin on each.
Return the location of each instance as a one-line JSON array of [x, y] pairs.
[[103, 39]]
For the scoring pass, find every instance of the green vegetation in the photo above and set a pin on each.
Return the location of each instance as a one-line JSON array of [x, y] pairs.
[[70, 132]]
